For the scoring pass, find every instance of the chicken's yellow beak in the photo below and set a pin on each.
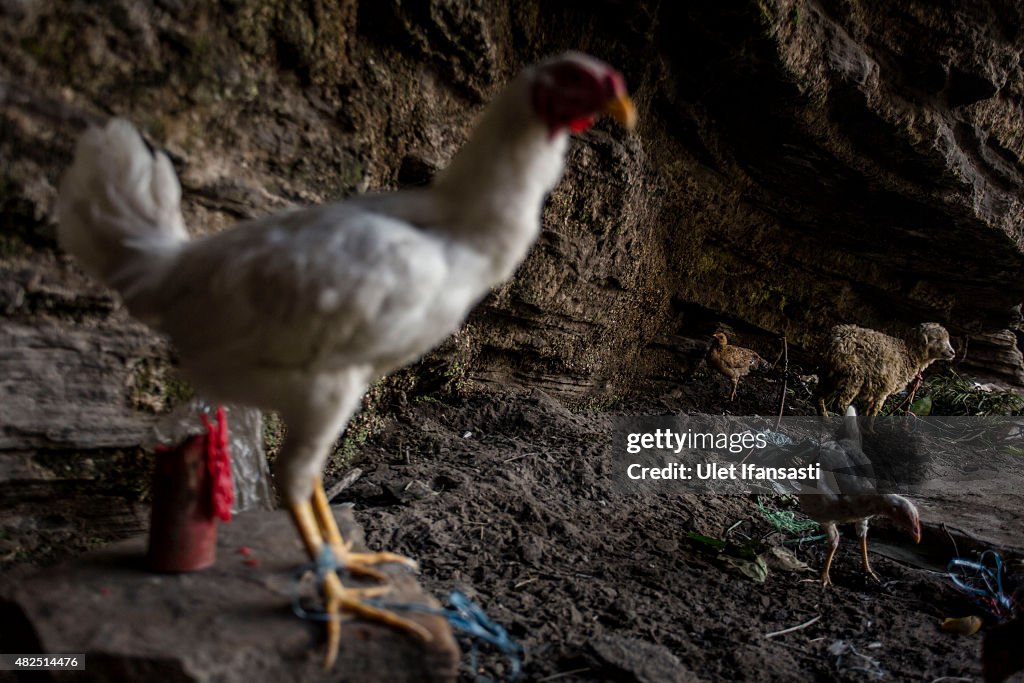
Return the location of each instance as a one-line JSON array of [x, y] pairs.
[[622, 110]]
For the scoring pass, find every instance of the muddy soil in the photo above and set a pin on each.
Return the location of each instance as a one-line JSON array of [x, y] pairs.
[[508, 499]]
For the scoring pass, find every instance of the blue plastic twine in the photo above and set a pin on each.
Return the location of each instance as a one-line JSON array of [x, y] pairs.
[[325, 563], [986, 586], [468, 618], [464, 615]]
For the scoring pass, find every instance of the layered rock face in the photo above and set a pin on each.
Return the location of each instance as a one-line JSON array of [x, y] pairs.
[[865, 160], [797, 164]]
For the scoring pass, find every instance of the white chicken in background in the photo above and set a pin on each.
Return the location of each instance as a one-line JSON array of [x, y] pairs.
[[300, 311], [848, 492]]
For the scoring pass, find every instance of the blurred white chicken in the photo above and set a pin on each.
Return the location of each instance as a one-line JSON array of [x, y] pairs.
[[299, 312]]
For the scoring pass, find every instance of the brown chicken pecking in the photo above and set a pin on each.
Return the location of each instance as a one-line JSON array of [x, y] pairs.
[[733, 361]]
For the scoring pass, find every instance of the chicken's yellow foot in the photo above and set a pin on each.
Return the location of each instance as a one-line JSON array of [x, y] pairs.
[[826, 580], [338, 598], [864, 556], [356, 563]]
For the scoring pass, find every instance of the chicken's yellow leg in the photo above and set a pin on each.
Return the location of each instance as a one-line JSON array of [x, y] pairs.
[[864, 556], [357, 563], [826, 580], [833, 546], [337, 598]]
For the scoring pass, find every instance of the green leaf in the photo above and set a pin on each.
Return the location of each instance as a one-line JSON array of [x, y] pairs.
[[922, 407], [715, 543], [755, 569]]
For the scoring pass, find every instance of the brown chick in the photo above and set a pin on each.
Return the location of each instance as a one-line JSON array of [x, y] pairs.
[[732, 361]]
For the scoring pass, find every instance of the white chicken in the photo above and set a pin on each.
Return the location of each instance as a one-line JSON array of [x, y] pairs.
[[847, 492], [300, 311]]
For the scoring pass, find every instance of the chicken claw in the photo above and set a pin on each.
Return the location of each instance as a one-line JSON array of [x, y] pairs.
[[337, 598], [826, 580], [864, 555], [360, 564]]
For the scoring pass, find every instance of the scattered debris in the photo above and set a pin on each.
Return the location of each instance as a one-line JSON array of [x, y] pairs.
[[984, 583], [791, 629], [780, 558], [844, 651], [346, 481], [409, 491], [755, 569], [954, 394], [965, 626], [787, 521], [563, 674]]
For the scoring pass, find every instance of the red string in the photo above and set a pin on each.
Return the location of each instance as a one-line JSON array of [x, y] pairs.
[[218, 461], [909, 400]]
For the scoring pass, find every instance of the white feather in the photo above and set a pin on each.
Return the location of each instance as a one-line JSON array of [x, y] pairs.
[[119, 208]]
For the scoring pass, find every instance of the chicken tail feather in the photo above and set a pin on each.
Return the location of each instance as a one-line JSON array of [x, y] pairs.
[[119, 209]]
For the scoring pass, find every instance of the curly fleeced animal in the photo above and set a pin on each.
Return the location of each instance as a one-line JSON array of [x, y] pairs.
[[869, 365]]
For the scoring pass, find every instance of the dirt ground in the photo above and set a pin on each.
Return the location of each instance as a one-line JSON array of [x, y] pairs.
[[508, 499]]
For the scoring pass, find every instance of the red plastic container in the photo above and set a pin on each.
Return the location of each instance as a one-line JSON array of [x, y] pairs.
[[191, 489], [182, 528]]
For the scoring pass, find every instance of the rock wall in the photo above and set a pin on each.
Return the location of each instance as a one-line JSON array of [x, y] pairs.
[[798, 163]]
